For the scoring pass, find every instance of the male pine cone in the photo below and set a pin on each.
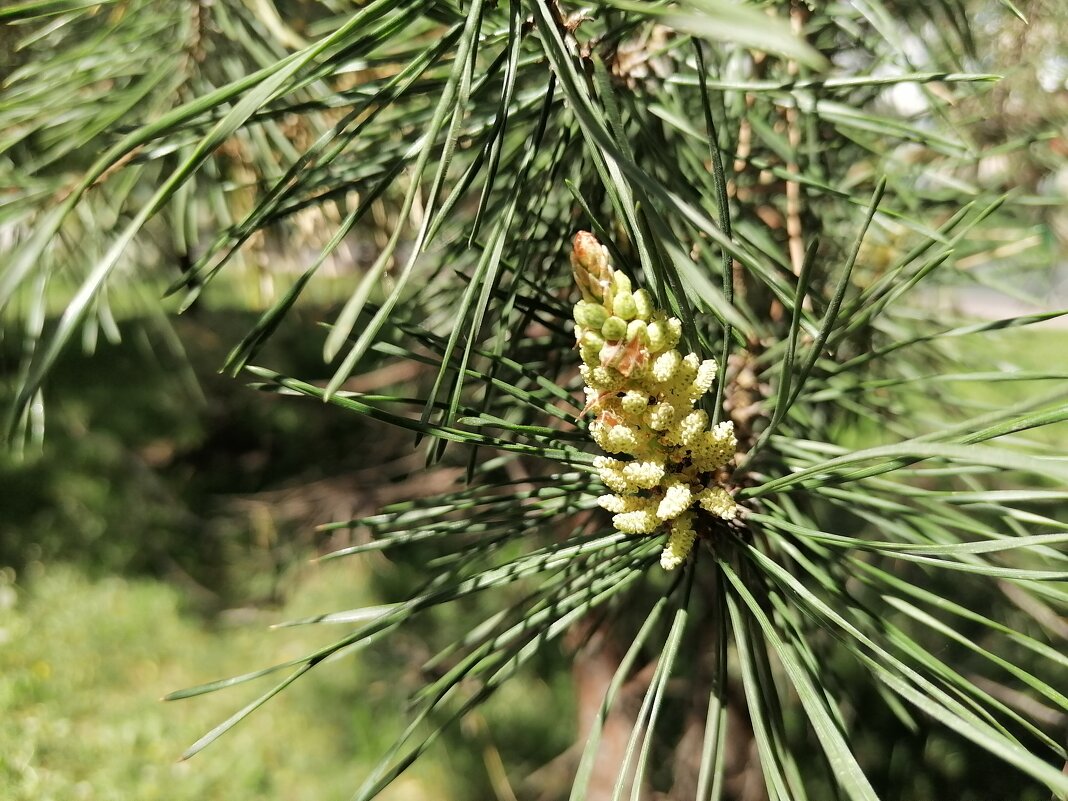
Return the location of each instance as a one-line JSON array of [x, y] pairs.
[[643, 393]]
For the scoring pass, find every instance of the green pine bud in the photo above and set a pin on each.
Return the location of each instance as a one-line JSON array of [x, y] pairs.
[[590, 315], [624, 306], [591, 354], [638, 330], [579, 310], [592, 339], [658, 339], [644, 303], [614, 329], [622, 281]]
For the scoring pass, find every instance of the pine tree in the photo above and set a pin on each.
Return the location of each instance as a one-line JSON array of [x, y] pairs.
[[875, 569]]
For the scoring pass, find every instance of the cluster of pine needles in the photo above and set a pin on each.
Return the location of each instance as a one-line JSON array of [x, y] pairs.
[[898, 573]]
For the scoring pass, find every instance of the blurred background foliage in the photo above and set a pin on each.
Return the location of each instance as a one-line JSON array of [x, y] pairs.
[[165, 514], [152, 542], [140, 560]]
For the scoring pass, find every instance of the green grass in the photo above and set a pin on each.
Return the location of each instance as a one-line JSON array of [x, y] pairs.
[[83, 664]]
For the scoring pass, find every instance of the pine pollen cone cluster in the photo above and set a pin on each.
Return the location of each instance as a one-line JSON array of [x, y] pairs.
[[642, 392]]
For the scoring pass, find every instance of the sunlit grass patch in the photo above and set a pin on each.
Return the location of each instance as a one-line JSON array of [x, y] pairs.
[[83, 664]]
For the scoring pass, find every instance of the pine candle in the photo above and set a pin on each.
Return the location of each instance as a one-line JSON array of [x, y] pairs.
[[643, 393]]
